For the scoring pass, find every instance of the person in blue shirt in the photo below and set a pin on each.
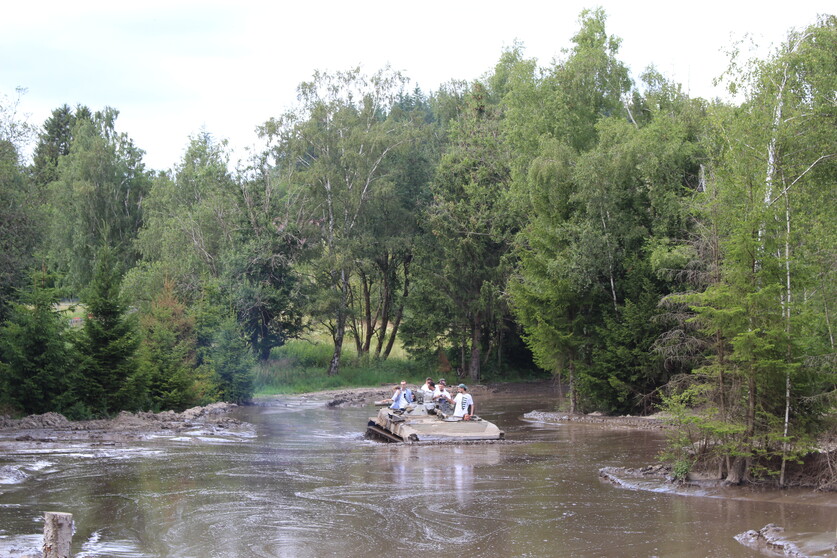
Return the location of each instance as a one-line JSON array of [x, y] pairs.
[[408, 393], [399, 398]]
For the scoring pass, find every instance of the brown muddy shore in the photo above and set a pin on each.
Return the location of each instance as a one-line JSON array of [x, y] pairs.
[[126, 427]]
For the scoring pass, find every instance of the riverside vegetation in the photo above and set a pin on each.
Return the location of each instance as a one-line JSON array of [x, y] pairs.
[[650, 249]]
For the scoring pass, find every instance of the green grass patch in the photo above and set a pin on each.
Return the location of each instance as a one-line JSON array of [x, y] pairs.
[[300, 366], [72, 310]]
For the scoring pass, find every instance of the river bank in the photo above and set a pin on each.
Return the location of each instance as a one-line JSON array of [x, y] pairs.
[[54, 428]]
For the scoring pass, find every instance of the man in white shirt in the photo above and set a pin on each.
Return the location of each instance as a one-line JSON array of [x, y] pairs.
[[463, 403], [441, 391], [426, 386]]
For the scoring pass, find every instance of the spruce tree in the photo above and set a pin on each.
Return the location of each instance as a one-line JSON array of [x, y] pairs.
[[168, 352], [37, 364], [109, 343]]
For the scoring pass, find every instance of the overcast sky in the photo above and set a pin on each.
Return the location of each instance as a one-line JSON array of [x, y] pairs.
[[175, 67]]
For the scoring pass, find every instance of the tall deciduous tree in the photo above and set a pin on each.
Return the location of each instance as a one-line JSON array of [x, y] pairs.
[[461, 263], [386, 236], [97, 199], [189, 220], [21, 227], [553, 119], [333, 152]]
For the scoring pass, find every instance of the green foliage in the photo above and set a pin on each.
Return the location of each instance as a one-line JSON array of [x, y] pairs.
[[460, 261], [55, 141], [772, 160], [38, 363], [168, 354], [21, 226], [96, 199], [232, 363], [265, 291], [339, 142], [108, 343]]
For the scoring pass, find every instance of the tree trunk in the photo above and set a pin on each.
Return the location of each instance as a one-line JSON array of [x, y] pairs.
[[399, 313], [787, 309], [740, 468], [573, 391], [369, 327], [340, 326], [474, 365], [386, 308]]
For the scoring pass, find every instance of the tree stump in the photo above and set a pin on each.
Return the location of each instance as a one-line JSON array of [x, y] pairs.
[[58, 534]]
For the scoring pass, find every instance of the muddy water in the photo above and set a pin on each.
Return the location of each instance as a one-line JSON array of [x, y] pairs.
[[308, 484]]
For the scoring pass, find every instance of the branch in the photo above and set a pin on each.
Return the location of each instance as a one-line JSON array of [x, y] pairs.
[[798, 178]]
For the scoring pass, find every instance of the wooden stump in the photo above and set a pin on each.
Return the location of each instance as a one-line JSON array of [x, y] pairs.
[[58, 534]]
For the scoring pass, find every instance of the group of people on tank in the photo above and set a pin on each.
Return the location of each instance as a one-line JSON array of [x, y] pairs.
[[463, 403]]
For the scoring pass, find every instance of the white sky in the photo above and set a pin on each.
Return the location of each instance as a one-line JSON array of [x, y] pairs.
[[175, 67]]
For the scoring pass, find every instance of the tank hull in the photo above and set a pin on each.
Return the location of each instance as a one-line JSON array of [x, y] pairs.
[[420, 424]]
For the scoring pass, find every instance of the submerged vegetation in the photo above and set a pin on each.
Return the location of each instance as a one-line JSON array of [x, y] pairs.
[[651, 250]]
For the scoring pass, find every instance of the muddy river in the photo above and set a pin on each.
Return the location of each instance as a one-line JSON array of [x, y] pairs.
[[305, 483]]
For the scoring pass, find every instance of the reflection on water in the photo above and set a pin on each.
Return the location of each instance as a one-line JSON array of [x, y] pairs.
[[309, 484]]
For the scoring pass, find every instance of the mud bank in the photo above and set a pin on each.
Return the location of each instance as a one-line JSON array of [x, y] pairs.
[[642, 423], [770, 540], [53, 427]]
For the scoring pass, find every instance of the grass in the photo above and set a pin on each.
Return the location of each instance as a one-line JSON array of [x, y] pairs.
[[300, 366], [72, 310]]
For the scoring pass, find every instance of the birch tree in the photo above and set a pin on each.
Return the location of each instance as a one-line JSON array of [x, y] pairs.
[[332, 151], [774, 170]]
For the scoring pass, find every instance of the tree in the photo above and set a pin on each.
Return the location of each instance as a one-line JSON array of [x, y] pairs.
[[384, 243], [97, 199], [189, 220], [775, 162], [264, 290], [552, 120], [55, 141], [38, 363], [168, 354], [332, 152], [461, 263], [109, 342], [232, 363], [20, 222]]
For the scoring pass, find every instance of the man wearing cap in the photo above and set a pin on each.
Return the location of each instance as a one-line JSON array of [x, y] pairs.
[[463, 403]]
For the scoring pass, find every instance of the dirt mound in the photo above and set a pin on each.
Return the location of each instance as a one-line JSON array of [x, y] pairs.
[[53, 426], [47, 420], [642, 423]]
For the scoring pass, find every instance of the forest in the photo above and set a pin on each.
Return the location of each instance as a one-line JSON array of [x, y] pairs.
[[649, 250]]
